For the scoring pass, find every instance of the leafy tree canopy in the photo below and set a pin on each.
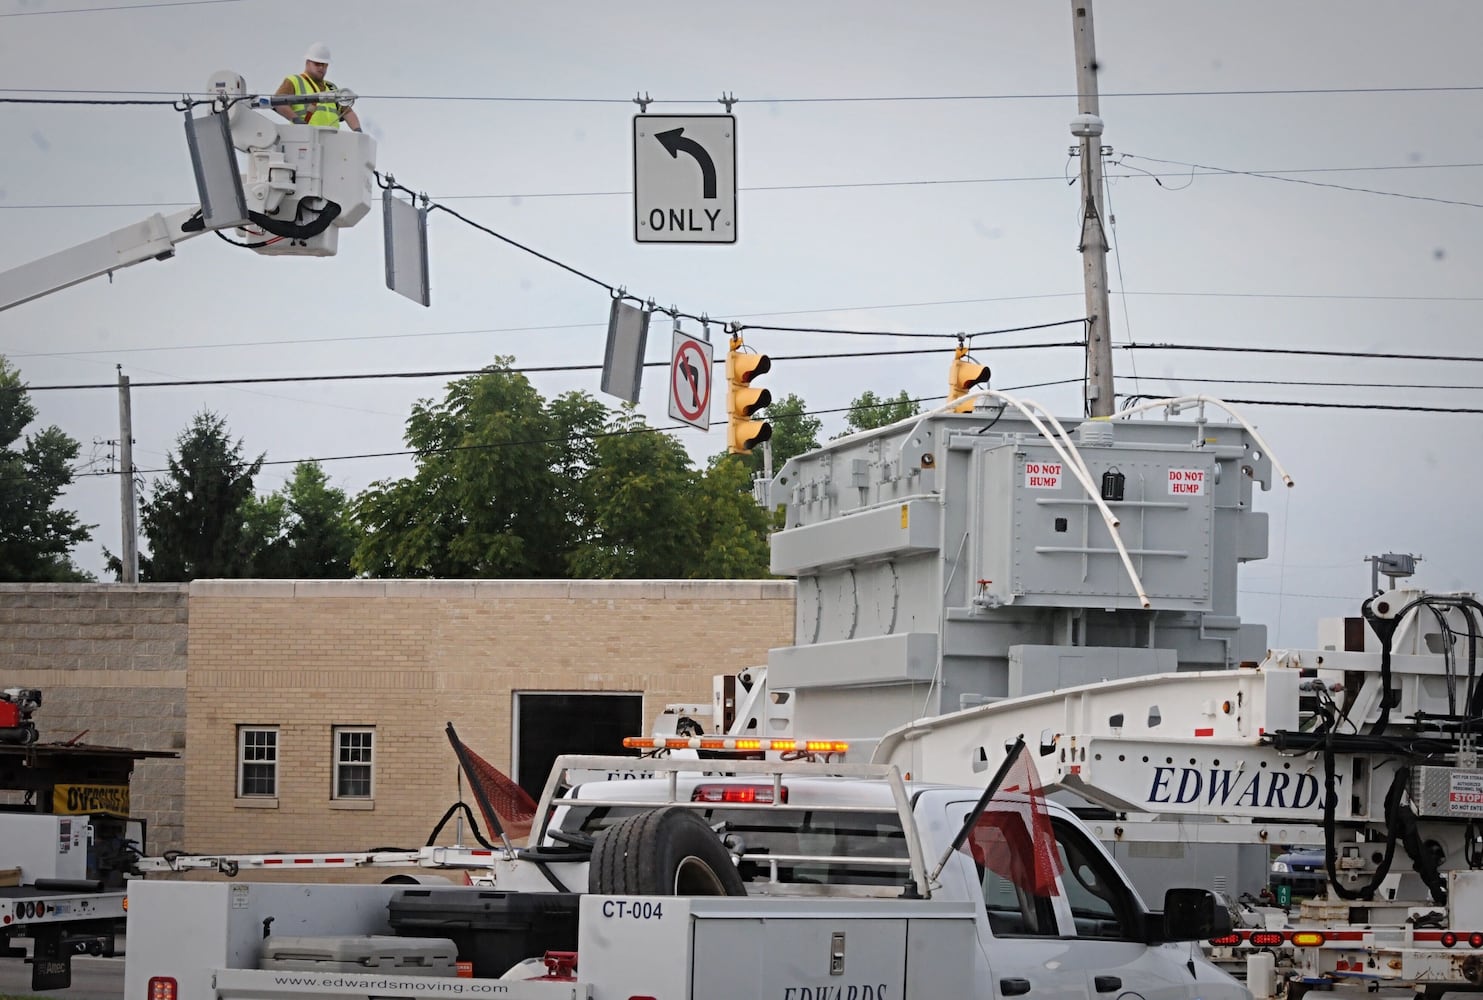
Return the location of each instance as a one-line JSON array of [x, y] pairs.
[[868, 411]]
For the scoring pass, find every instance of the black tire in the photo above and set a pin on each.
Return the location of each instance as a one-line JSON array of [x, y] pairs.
[[663, 852]]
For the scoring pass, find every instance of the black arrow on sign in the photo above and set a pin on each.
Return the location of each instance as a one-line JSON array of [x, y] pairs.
[[674, 140]]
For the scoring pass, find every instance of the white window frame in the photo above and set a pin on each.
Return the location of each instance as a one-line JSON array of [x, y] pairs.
[[242, 761], [339, 761]]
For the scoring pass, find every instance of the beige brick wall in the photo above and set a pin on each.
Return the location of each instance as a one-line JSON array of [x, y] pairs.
[[408, 656], [110, 660]]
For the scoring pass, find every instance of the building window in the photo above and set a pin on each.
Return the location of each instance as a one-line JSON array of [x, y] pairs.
[[354, 753], [257, 761]]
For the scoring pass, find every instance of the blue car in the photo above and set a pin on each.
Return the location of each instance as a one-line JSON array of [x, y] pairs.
[[1302, 870]]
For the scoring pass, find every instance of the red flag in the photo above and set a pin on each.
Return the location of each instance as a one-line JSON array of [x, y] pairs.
[[505, 805], [1012, 837]]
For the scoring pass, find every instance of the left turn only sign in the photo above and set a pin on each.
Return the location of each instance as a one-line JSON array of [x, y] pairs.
[[690, 380], [684, 178]]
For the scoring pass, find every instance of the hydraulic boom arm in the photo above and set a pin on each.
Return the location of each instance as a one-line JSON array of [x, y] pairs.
[[152, 239]]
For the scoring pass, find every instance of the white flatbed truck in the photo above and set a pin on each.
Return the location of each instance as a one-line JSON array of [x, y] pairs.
[[790, 880]]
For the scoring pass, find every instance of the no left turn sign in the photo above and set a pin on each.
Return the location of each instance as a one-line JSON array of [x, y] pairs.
[[690, 380]]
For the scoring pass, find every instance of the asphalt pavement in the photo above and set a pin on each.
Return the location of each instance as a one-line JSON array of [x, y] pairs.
[[92, 978]]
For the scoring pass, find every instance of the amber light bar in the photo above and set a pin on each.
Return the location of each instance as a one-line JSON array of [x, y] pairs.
[[733, 743]]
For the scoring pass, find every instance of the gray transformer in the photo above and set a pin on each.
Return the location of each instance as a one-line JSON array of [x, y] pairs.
[[955, 558]]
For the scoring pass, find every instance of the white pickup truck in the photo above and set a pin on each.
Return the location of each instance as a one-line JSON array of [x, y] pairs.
[[708, 880]]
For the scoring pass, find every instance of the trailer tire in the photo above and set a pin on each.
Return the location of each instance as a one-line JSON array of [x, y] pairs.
[[663, 852]]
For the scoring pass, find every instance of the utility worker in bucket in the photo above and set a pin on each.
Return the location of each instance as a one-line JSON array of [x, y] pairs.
[[308, 83]]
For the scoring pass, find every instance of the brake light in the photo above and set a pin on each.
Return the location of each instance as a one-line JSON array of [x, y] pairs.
[[162, 988], [1307, 939], [1476, 939], [1226, 940], [1448, 939], [1266, 939], [746, 794]]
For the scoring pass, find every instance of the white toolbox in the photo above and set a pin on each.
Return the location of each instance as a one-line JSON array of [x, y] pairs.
[[405, 956]]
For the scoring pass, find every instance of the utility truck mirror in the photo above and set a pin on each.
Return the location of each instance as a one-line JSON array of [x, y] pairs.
[[1194, 915]]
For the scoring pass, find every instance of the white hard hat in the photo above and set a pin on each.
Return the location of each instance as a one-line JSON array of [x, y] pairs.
[[318, 52]]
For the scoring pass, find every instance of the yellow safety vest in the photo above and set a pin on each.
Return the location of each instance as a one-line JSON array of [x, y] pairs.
[[323, 114]]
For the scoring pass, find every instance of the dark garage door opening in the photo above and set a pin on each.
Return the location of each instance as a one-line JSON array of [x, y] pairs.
[[548, 725]]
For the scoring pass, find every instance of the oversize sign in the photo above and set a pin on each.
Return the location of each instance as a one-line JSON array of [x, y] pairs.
[[90, 800]]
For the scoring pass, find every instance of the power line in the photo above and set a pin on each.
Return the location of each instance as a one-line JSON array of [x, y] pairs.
[[1301, 352], [1311, 404], [1325, 383], [528, 329], [534, 441], [822, 99], [1311, 183], [459, 373], [838, 185], [1081, 320], [133, 6]]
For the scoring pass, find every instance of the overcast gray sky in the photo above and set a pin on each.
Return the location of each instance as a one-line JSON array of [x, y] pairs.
[[936, 215]]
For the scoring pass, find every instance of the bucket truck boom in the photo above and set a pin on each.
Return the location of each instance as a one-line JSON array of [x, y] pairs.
[[302, 184]]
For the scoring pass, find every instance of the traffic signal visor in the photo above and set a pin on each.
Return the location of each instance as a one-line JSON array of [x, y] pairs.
[[963, 377]]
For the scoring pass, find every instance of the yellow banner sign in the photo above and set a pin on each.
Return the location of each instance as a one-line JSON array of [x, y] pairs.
[[76, 800]]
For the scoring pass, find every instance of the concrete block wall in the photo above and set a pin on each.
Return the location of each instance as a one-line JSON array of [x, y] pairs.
[[408, 656], [110, 660]]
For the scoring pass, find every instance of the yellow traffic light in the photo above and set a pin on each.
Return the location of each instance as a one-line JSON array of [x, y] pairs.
[[962, 377], [742, 400]]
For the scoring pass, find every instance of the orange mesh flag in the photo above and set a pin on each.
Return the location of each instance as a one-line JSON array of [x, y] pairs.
[[507, 809], [1011, 835]]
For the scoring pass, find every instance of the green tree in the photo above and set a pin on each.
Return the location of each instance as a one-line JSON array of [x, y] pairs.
[[641, 517], [36, 539], [794, 431], [196, 517], [495, 492], [732, 528], [305, 529], [867, 411]]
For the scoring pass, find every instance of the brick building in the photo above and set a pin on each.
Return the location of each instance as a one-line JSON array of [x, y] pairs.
[[311, 713]]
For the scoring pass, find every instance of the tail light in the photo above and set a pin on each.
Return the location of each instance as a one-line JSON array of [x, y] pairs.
[[1266, 939], [1476, 939], [162, 988], [1226, 940], [1448, 939], [761, 795]]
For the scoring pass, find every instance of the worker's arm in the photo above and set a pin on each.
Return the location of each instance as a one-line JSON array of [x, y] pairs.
[[286, 110], [351, 118]]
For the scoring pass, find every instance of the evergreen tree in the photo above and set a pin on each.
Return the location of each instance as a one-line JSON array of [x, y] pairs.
[[196, 517], [36, 538]]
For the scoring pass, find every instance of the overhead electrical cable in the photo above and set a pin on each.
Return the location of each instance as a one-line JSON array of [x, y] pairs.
[[463, 372], [836, 185], [1302, 180], [821, 99]]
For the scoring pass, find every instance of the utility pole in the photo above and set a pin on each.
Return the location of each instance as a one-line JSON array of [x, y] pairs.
[[1087, 127], [129, 553]]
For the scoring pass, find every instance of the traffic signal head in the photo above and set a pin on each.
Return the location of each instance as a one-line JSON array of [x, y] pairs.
[[743, 399], [963, 376]]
